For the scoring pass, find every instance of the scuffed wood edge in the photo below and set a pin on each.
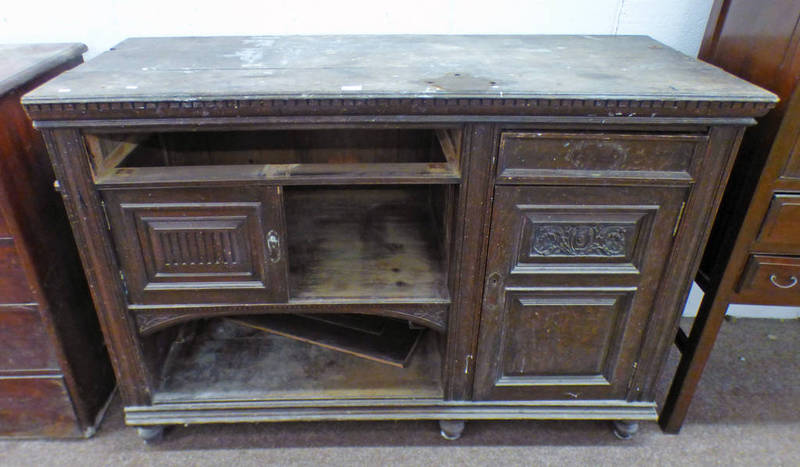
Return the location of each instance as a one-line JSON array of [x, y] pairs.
[[406, 106]]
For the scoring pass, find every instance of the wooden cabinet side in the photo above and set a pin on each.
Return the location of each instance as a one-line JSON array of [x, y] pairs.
[[71, 164]]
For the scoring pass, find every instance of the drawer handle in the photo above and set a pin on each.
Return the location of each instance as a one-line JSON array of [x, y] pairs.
[[791, 284], [273, 246]]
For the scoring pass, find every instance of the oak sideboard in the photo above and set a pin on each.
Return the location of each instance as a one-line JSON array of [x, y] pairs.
[[536, 206]]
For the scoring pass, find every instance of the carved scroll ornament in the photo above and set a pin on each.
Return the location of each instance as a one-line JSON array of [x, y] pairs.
[[579, 240]]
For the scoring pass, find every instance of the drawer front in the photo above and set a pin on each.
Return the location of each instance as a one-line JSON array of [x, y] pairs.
[[781, 228], [193, 246], [14, 286], [24, 344], [571, 278], [771, 280], [526, 157], [792, 168], [36, 407]]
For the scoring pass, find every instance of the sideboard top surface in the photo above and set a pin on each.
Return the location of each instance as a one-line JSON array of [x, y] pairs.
[[402, 66], [20, 63]]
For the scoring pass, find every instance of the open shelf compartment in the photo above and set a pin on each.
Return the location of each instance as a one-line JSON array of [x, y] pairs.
[[368, 243], [277, 156], [217, 360]]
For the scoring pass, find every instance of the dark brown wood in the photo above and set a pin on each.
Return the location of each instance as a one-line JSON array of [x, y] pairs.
[[267, 147], [14, 286], [758, 217], [207, 363], [428, 313], [89, 228], [468, 262], [362, 323], [22, 333], [781, 224], [284, 174], [771, 280], [287, 157], [392, 344], [691, 236], [545, 236], [200, 245], [572, 275], [528, 157], [55, 377], [37, 407]]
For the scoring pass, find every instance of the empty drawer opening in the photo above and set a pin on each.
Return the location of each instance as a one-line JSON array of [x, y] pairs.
[[270, 154]]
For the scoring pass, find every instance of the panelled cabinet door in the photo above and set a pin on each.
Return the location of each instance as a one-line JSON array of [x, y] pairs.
[[200, 245], [571, 277]]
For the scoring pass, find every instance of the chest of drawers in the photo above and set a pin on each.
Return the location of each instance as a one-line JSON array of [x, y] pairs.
[[55, 376], [536, 203], [753, 256]]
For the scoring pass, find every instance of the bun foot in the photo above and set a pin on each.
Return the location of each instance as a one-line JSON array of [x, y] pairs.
[[451, 429], [151, 434], [625, 429]]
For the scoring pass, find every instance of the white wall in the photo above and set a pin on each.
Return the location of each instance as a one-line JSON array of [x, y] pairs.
[[102, 23]]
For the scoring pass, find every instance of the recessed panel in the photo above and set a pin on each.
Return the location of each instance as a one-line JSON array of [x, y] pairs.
[[199, 246], [569, 336], [182, 250]]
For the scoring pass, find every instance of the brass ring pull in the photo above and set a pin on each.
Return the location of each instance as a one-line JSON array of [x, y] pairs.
[[791, 284]]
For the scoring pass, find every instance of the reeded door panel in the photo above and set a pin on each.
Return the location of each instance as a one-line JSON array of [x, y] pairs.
[[206, 245]]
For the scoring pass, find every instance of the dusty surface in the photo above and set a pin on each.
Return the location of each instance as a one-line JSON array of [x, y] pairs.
[[20, 63], [223, 360], [196, 68]]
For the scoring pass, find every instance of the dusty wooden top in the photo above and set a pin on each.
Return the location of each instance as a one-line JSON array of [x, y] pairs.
[[324, 67], [20, 63]]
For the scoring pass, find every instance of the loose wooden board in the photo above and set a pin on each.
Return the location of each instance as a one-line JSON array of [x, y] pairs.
[[392, 346], [217, 360]]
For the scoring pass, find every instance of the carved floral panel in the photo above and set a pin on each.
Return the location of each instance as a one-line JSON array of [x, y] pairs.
[[580, 239]]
